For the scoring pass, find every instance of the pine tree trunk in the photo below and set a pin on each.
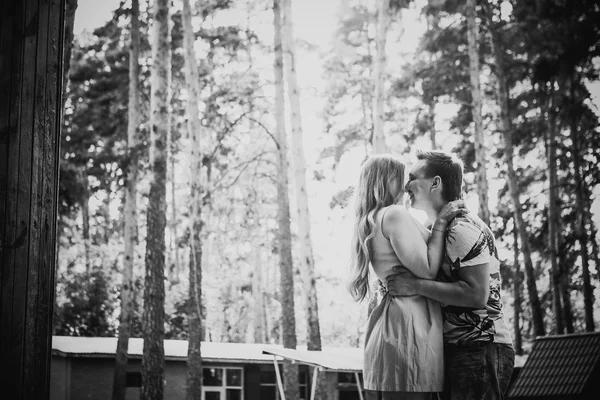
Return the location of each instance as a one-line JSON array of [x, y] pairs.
[[553, 225], [105, 210], [383, 23], [517, 296], [565, 288], [480, 156], [194, 378], [588, 293], [307, 262], [431, 116], [258, 277], [257, 292], [512, 180], [85, 218], [130, 228], [153, 359], [173, 245], [288, 319], [172, 259], [593, 231]]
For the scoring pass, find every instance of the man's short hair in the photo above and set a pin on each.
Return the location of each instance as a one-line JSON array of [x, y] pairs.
[[448, 167]]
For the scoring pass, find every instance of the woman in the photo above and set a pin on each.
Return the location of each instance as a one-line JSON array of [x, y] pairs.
[[403, 357]]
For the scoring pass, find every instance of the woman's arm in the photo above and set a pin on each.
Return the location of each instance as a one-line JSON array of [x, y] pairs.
[[411, 249], [423, 259]]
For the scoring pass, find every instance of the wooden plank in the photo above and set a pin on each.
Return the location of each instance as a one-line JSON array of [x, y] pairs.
[[17, 224], [7, 21], [33, 354], [6, 26], [54, 104], [30, 109]]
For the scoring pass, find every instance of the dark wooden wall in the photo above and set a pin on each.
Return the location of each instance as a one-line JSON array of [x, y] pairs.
[[31, 43]]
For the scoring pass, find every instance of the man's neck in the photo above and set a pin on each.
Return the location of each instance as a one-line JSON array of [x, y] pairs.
[[434, 210]]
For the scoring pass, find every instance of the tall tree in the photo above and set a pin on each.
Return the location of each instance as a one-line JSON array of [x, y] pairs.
[[553, 213], [581, 230], [154, 286], [383, 24], [288, 319], [130, 226], [517, 293], [505, 127], [307, 261], [194, 376], [258, 293], [480, 153]]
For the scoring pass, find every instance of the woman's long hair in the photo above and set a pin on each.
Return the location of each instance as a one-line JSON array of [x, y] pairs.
[[372, 194]]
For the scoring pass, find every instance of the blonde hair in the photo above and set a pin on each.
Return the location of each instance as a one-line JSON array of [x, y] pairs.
[[372, 194]]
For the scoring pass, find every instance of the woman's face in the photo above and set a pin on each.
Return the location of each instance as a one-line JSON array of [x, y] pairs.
[[396, 189]]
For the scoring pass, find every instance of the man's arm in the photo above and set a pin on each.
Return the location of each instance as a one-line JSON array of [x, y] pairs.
[[471, 290]]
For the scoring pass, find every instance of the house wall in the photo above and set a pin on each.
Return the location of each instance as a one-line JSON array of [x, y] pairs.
[[59, 378], [91, 378], [84, 378]]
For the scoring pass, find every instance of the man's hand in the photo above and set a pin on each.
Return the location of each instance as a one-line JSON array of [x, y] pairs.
[[402, 283], [450, 211]]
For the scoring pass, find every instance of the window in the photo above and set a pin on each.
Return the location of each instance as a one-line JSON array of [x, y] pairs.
[[220, 383], [268, 384], [347, 388], [133, 379]]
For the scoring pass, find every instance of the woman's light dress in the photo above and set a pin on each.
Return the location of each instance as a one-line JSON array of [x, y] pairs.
[[403, 344]]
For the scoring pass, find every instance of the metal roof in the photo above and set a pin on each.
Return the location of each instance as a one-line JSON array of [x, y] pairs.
[[98, 347], [558, 365], [335, 359], [332, 358]]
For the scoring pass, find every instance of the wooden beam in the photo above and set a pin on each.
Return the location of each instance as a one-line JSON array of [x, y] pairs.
[[31, 65], [279, 381], [313, 389], [359, 386]]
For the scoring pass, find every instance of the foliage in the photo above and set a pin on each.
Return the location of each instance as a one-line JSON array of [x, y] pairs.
[[551, 56]]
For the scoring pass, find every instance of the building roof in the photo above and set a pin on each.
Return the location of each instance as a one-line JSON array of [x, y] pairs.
[[558, 366], [335, 359], [98, 347], [332, 358]]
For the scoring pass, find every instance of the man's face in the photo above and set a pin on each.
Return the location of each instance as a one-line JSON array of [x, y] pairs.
[[418, 186]]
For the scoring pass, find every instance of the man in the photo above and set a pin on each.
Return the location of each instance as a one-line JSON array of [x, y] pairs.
[[478, 351]]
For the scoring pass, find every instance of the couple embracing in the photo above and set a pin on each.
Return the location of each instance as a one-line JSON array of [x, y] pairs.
[[439, 327]]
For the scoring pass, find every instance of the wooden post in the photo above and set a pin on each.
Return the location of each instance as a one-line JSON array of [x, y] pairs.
[[314, 383], [31, 65], [279, 381], [359, 386]]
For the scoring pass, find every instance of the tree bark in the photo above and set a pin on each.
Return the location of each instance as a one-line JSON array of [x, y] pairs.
[[517, 295], [173, 245], [553, 224], [288, 319], [130, 228], [85, 217], [593, 231], [383, 23], [505, 128], [173, 249], [480, 152], [431, 116], [257, 292], [194, 377], [307, 261], [580, 229], [153, 374]]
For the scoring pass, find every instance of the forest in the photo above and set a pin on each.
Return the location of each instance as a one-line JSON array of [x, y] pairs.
[[209, 154]]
